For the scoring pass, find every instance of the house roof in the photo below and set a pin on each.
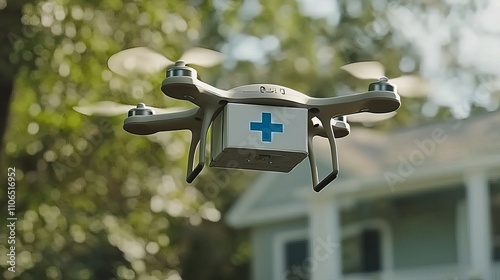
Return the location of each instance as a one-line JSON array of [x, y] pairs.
[[370, 159]]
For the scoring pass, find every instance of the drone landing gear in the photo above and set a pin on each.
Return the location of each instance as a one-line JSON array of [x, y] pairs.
[[142, 121], [330, 128], [199, 138], [191, 174]]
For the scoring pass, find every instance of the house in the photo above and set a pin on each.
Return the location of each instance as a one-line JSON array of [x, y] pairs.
[[416, 203]]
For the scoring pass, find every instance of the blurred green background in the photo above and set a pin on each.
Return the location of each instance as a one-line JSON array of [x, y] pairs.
[[94, 202]]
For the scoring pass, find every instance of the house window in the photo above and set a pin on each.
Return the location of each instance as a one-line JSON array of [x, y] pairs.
[[296, 253], [361, 252], [291, 253], [495, 218], [366, 248], [496, 231]]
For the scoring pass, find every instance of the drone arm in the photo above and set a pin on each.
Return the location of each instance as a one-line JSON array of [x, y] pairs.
[[372, 102], [150, 124], [329, 130], [194, 119]]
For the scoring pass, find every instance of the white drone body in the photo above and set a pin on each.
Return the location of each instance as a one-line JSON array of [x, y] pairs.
[[260, 126]]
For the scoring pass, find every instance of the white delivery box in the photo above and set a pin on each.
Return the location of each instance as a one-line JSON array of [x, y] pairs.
[[259, 137]]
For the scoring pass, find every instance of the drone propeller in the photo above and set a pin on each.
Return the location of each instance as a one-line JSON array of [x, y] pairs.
[[110, 109], [408, 85], [144, 60]]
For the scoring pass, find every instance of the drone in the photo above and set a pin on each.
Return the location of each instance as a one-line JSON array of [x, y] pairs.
[[264, 127]]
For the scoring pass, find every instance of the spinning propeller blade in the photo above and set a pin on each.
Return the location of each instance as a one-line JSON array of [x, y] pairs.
[[202, 57], [143, 60], [408, 85], [110, 109], [137, 60], [368, 70], [412, 86]]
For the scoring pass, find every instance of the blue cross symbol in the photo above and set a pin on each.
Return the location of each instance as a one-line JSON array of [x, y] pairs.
[[266, 127]]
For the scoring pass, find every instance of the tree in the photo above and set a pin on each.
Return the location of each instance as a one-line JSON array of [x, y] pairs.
[[10, 27]]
